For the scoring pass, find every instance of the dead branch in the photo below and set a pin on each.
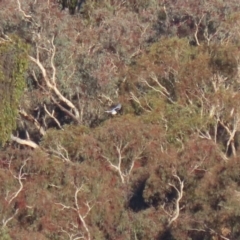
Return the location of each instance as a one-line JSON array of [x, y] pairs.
[[81, 216], [179, 190], [162, 90], [5, 222], [20, 141], [30, 118], [76, 119], [204, 134], [51, 82], [72, 236], [197, 29], [61, 153], [155, 89], [20, 10], [118, 167], [216, 233], [231, 134], [135, 99], [52, 116], [19, 177], [198, 165]]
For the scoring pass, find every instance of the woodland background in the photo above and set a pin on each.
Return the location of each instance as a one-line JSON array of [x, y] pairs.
[[167, 167]]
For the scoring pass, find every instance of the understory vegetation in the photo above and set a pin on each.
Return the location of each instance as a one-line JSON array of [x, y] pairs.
[[166, 166]]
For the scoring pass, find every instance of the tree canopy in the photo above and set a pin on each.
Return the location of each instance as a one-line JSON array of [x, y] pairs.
[[166, 166]]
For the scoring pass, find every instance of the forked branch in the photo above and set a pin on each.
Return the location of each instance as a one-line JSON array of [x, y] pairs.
[[19, 177], [175, 214], [81, 217], [51, 81], [124, 175], [6, 221]]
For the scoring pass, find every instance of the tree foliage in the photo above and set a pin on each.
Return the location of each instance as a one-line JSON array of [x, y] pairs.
[[166, 166], [12, 79]]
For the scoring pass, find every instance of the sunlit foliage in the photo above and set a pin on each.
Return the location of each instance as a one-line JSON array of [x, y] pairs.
[[13, 58]]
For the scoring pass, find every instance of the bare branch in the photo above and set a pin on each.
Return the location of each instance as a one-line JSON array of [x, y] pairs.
[[155, 79], [231, 134], [30, 118], [175, 214], [61, 153], [5, 222], [76, 119], [51, 83], [162, 90], [153, 88], [64, 206], [20, 10], [204, 134], [135, 99], [118, 167], [218, 234], [19, 177], [52, 116], [52, 63], [81, 216], [197, 29], [73, 236], [28, 143]]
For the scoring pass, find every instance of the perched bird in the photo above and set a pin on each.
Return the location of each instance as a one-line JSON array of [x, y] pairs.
[[115, 110]]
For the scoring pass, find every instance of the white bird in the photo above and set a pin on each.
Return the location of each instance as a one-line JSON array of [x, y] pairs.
[[115, 110]]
